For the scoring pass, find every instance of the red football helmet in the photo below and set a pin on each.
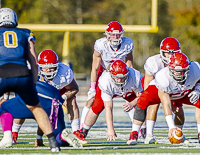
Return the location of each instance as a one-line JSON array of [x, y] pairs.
[[169, 45], [179, 66], [48, 59], [119, 69], [114, 28]]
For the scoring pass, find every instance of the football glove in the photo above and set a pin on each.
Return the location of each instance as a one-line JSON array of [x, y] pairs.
[[194, 96], [91, 93]]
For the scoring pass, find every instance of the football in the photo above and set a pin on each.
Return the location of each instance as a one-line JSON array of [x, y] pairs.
[[177, 137]]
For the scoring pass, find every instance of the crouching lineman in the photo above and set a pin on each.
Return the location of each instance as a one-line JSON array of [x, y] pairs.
[[119, 81], [61, 77], [51, 101], [176, 84], [153, 64]]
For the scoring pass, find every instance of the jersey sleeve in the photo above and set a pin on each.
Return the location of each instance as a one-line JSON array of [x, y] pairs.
[[138, 76], [98, 45], [105, 96], [128, 42], [151, 66], [63, 77], [105, 84], [161, 80], [30, 35]]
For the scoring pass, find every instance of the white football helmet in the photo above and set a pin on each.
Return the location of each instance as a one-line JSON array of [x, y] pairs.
[[8, 18]]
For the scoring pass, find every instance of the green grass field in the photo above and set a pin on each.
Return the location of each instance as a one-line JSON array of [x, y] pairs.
[[97, 144]]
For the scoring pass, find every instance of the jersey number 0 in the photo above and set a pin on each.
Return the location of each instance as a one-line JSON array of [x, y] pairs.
[[10, 39]]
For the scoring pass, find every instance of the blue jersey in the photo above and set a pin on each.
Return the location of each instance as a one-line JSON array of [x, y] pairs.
[[14, 45], [17, 107], [46, 90]]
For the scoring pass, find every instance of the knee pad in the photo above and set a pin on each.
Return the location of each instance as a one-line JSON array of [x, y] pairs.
[[140, 114]]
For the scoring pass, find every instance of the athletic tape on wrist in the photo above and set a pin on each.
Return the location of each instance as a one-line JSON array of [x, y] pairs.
[[64, 96], [38, 137], [170, 121]]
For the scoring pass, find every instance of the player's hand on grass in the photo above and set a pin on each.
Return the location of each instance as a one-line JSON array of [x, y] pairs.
[[111, 135]]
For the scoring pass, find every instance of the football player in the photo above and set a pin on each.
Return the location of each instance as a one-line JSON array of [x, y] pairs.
[[175, 85], [16, 47], [153, 64], [61, 77], [119, 81], [51, 101], [106, 50]]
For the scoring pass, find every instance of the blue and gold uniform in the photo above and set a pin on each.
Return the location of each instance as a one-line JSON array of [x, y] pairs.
[[17, 107], [14, 73]]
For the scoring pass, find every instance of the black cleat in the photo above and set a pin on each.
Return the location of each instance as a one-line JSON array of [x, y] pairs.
[[53, 144]]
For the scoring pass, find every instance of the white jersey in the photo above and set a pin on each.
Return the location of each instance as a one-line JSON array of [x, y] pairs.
[[166, 83], [108, 56], [153, 64], [63, 77], [133, 84]]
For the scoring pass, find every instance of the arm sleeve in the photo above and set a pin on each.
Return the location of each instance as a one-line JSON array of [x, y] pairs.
[[106, 97]]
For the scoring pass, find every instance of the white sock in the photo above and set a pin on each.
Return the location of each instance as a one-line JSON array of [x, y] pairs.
[[16, 127], [86, 127], [135, 127], [84, 113], [198, 128], [7, 134], [131, 114], [150, 126], [75, 124], [142, 127]]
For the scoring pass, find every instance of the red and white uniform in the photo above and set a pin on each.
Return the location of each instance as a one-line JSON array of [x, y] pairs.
[[153, 64], [107, 86], [178, 93], [108, 55], [150, 96]]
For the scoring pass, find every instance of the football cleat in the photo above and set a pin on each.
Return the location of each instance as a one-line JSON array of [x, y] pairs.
[[133, 138], [142, 133], [80, 136], [150, 140], [53, 144], [185, 140], [6, 141], [14, 137], [71, 138], [38, 142]]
